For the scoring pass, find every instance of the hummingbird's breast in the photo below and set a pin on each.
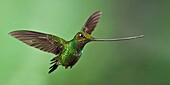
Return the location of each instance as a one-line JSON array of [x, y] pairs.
[[70, 55]]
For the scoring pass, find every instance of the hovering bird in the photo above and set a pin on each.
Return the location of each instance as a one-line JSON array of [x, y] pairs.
[[67, 52]]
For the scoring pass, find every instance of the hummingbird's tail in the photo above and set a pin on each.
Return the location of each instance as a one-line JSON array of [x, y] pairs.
[[54, 66]]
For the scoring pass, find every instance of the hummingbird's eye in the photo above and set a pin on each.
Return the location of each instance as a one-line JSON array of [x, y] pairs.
[[81, 35]]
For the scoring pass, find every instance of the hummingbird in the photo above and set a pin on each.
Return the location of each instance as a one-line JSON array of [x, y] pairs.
[[67, 53]]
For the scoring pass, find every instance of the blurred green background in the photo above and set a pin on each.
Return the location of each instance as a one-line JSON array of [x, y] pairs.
[[137, 62]]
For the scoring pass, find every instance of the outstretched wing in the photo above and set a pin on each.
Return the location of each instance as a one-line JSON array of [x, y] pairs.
[[42, 41], [92, 22]]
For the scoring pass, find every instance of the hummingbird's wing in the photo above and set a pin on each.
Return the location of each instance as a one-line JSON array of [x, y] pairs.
[[92, 22], [42, 41]]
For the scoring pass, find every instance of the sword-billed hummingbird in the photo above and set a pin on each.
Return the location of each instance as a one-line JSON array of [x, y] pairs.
[[67, 52]]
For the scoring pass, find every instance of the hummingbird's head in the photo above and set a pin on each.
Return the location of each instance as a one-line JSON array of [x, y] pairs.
[[82, 37]]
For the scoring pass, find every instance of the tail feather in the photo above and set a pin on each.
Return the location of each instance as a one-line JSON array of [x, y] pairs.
[[54, 61], [52, 68]]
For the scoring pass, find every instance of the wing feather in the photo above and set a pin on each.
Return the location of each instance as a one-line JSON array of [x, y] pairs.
[[42, 41], [91, 23]]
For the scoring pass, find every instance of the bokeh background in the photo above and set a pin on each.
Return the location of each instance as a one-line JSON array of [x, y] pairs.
[[143, 61]]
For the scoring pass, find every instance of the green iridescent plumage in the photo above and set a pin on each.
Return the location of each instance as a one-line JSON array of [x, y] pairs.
[[67, 52]]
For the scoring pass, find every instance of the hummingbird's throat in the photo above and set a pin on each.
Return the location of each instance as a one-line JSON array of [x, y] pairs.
[[80, 46]]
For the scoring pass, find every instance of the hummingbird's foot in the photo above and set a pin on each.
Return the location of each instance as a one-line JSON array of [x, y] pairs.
[[71, 67], [66, 67]]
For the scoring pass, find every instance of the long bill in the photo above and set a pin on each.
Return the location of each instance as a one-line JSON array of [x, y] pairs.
[[120, 39]]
